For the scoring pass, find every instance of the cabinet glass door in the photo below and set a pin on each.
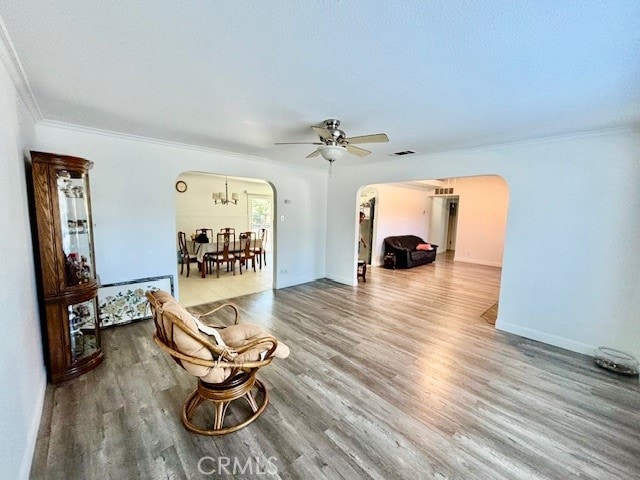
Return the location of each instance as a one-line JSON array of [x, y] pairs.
[[75, 224], [82, 329]]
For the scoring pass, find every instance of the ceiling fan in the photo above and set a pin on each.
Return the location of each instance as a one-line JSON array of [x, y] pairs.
[[334, 142]]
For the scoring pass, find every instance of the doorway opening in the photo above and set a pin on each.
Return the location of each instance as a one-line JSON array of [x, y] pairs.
[[465, 217], [443, 223], [199, 206]]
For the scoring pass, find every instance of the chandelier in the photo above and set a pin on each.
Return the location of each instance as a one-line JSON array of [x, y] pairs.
[[219, 197]]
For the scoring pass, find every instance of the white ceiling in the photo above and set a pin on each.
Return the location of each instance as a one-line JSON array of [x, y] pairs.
[[239, 76]]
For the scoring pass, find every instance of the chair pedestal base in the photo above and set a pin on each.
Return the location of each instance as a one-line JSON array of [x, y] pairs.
[[221, 397]]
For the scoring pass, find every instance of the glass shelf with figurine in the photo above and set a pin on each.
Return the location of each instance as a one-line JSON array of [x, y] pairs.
[[82, 329], [76, 229]]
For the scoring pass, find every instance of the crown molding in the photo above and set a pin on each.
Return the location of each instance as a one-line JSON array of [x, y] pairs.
[[169, 143], [631, 127], [13, 65]]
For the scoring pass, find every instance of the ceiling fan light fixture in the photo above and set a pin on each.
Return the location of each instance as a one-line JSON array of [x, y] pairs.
[[332, 152]]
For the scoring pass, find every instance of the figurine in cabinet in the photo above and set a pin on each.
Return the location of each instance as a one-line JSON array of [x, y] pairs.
[[61, 210]]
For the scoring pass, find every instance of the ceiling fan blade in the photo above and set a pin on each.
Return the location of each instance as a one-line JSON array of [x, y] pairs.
[[298, 143], [323, 132], [313, 154], [377, 138], [360, 152]]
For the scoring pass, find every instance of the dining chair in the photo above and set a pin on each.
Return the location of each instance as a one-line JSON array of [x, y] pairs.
[[260, 250], [223, 254], [186, 257], [233, 248], [247, 252]]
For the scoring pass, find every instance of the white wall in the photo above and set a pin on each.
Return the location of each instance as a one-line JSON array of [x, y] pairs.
[[133, 200], [571, 259], [195, 208], [400, 210], [482, 218], [22, 372]]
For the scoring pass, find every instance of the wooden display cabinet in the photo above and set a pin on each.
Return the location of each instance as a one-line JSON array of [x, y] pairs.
[[67, 277]]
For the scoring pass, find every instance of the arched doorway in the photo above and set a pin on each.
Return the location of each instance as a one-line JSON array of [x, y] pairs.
[[199, 204], [466, 217]]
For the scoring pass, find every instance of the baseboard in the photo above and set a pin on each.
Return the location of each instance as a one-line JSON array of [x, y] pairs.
[[340, 279], [477, 262], [543, 337], [34, 428], [285, 281]]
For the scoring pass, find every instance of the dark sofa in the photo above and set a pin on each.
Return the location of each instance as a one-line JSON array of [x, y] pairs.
[[404, 248]]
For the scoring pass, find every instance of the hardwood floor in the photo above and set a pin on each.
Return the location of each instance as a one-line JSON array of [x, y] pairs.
[[399, 377]]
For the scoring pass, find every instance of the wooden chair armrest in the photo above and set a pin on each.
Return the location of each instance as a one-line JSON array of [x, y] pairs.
[[224, 305]]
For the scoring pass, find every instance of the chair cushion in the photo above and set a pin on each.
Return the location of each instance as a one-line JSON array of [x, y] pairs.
[[233, 336], [188, 345], [212, 332], [243, 333], [163, 296], [220, 256]]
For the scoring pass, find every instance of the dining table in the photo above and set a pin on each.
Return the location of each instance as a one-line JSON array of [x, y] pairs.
[[234, 247]]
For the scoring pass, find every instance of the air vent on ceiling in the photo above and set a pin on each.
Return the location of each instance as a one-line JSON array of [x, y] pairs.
[[406, 152]]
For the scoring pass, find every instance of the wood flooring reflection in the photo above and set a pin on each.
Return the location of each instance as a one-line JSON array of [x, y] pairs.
[[399, 377]]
